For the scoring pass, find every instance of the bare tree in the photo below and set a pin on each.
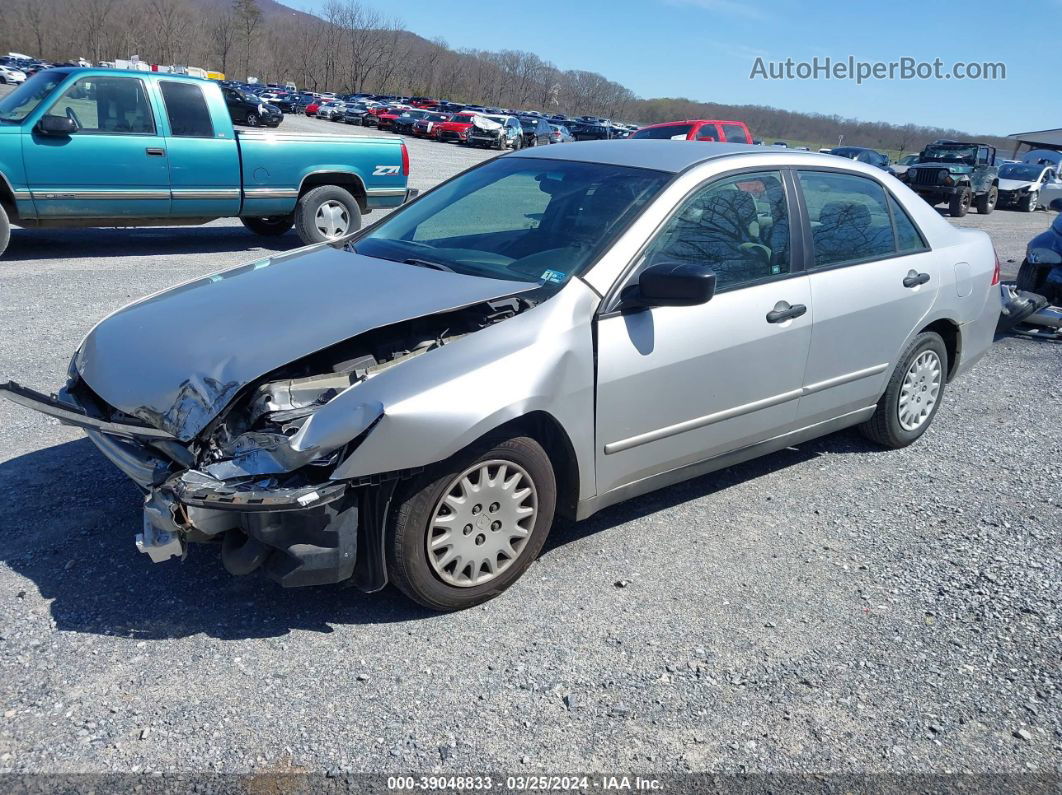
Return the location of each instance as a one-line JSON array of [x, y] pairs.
[[248, 18]]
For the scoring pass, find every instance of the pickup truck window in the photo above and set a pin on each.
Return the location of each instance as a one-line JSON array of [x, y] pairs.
[[21, 102], [110, 105], [186, 109]]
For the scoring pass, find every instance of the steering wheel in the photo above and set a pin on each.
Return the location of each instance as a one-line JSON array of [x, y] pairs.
[[70, 114]]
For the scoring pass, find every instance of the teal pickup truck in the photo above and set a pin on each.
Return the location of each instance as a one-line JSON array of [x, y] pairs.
[[104, 147]]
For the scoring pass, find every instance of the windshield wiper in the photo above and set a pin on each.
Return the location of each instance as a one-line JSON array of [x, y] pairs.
[[424, 263]]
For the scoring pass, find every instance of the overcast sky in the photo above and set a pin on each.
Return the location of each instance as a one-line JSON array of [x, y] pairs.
[[706, 49]]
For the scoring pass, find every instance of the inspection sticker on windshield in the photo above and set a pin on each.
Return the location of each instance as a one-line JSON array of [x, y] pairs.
[[557, 277]]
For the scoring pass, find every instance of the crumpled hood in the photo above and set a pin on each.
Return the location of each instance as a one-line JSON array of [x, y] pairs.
[[1014, 184], [177, 358]]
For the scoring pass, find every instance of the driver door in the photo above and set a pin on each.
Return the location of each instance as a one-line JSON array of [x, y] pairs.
[[683, 384], [113, 166]]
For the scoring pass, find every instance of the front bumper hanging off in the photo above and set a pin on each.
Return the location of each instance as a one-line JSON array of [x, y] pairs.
[[304, 535]]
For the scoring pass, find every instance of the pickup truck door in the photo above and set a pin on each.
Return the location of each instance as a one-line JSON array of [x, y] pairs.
[[202, 152], [113, 166]]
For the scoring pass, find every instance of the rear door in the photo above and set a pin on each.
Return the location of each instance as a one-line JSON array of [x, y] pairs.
[[873, 280], [113, 166], [202, 151]]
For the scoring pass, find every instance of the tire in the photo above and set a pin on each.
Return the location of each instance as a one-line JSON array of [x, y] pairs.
[[1029, 201], [959, 204], [251, 120], [5, 230], [986, 202], [1027, 274], [886, 427], [269, 227], [434, 585], [341, 207], [502, 144]]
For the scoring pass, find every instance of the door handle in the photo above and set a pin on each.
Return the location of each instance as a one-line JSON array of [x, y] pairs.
[[155, 151], [783, 310], [914, 278]]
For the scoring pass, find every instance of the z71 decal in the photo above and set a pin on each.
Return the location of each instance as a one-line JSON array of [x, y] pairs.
[[386, 171]]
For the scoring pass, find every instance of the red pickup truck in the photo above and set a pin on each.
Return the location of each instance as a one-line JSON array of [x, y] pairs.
[[734, 132]]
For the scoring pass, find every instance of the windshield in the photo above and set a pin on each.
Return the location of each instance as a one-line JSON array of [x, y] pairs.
[[671, 131], [1022, 171], [950, 154], [521, 219], [21, 102]]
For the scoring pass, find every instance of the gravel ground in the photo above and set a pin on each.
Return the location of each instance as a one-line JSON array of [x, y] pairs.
[[830, 608]]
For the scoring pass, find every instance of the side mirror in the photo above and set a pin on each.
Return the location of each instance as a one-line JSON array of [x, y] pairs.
[[57, 125], [1056, 205], [1044, 256], [674, 284]]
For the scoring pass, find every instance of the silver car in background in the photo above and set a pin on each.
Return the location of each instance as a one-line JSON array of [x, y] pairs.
[[544, 335]]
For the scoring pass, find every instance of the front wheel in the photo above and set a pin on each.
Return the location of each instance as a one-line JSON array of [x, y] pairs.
[[467, 528], [269, 227], [913, 395], [252, 120], [959, 204], [327, 212], [5, 230], [1029, 202]]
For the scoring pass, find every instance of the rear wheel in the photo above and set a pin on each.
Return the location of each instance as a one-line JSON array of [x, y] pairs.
[[986, 202], [913, 395], [467, 528], [959, 204], [5, 230], [252, 120], [269, 227], [327, 212]]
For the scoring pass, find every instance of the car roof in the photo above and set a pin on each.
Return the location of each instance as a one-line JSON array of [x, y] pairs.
[[673, 156], [691, 121]]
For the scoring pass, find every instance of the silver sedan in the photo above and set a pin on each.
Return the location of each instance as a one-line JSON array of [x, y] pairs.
[[546, 334]]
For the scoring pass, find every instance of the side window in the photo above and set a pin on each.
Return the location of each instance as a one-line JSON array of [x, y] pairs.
[[707, 132], [187, 110], [115, 105], [735, 134], [908, 239], [850, 219], [738, 225]]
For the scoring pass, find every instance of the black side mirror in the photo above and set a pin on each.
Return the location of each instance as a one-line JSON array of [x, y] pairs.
[[674, 284], [57, 125]]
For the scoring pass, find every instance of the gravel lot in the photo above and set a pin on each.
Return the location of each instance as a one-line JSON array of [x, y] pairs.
[[830, 608]]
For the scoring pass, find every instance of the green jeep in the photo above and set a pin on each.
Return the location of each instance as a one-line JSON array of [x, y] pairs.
[[958, 173]]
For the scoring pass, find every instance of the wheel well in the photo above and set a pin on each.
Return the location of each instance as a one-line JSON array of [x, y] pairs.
[[7, 199], [545, 430], [949, 332], [352, 182]]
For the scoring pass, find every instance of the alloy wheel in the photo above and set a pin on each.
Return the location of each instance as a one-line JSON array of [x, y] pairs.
[[481, 524], [920, 390]]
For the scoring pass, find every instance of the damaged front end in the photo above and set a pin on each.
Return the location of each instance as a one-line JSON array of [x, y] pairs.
[[258, 478]]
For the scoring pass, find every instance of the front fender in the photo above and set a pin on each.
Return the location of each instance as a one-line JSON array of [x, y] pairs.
[[436, 404]]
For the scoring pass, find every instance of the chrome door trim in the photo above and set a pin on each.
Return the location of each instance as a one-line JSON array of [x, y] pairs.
[[738, 411], [270, 193], [205, 193], [103, 194]]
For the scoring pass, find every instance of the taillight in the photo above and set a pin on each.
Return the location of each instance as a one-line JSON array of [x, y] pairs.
[[995, 273], [405, 170]]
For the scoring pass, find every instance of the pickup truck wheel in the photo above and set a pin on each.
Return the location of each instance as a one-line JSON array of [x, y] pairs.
[[327, 212], [269, 227], [467, 528], [5, 230], [986, 202], [959, 204], [913, 394]]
